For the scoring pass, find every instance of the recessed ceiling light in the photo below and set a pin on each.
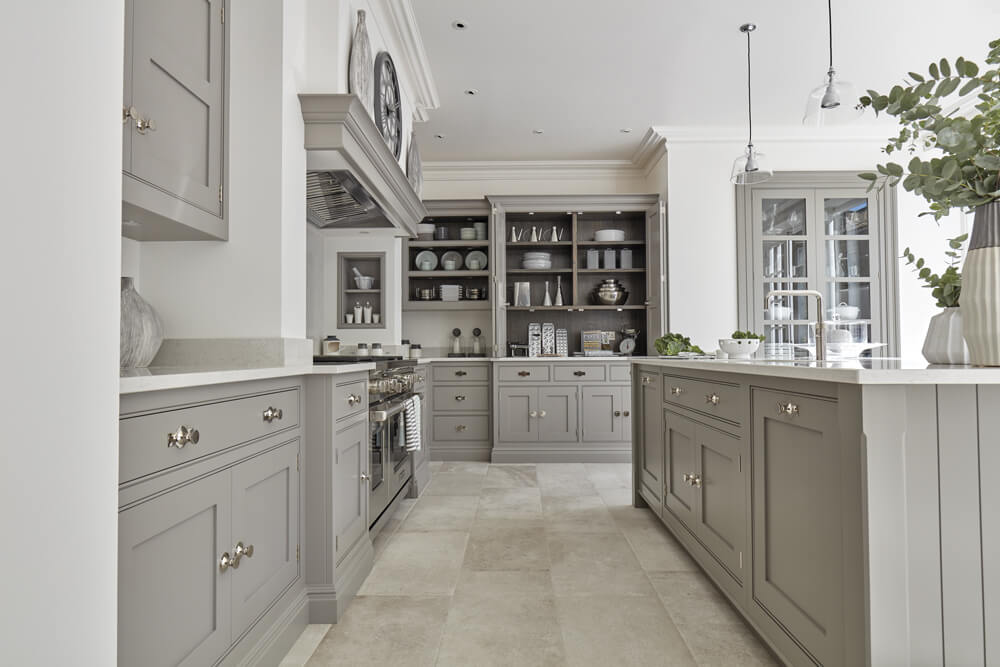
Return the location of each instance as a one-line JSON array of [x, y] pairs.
[[625, 130], [439, 136], [538, 131], [472, 91], [459, 25], [618, 212]]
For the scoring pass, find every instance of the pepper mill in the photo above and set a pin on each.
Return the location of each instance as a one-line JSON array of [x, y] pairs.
[[456, 346]]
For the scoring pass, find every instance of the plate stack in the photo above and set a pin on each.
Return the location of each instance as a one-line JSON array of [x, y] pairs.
[[475, 293], [450, 292], [537, 261]]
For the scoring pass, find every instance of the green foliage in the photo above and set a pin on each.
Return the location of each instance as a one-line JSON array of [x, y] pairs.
[[739, 335], [671, 344], [967, 174], [947, 287]]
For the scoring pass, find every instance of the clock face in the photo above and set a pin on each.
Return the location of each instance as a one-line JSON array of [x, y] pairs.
[[388, 110]]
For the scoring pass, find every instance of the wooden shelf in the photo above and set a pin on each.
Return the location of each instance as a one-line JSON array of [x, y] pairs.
[[448, 274], [380, 325], [362, 291], [539, 271], [449, 244], [609, 243], [574, 308], [539, 244], [611, 270], [477, 304]]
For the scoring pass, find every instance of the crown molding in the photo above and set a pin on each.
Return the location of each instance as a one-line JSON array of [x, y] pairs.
[[649, 151], [774, 134], [513, 170], [396, 17]]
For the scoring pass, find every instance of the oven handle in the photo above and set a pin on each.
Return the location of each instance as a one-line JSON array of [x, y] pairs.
[[391, 410]]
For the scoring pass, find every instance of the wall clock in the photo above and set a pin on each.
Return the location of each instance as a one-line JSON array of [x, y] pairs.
[[388, 110]]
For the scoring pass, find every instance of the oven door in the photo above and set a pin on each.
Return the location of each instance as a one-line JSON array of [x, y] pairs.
[[386, 423]]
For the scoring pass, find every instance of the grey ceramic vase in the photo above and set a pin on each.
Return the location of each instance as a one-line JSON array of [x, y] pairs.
[[141, 330], [981, 288]]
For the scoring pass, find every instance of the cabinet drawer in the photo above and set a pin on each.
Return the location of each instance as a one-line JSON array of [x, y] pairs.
[[620, 373], [587, 373], [146, 445], [349, 399], [523, 373], [461, 373], [723, 401], [466, 399], [475, 427]]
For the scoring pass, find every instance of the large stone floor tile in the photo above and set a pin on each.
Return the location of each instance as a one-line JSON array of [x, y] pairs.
[[655, 548], [519, 503], [380, 631], [418, 564], [509, 630], [505, 582], [511, 476], [436, 513], [507, 545], [477, 467], [609, 475], [455, 484], [617, 496], [582, 514], [595, 564], [618, 630]]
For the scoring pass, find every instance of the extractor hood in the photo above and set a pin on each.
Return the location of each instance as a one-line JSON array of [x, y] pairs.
[[353, 181]]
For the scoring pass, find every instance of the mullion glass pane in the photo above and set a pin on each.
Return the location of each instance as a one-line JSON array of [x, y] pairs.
[[845, 216], [783, 217], [785, 259], [786, 307], [848, 259], [849, 301]]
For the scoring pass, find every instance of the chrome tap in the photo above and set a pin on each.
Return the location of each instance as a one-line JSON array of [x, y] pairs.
[[820, 338]]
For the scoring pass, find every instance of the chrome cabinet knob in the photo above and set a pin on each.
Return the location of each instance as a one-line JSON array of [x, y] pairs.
[[533, 413], [541, 414], [713, 399], [676, 391], [365, 477], [129, 112], [239, 551], [646, 379], [459, 398], [686, 477], [184, 435], [461, 427], [618, 413], [144, 125], [353, 399], [625, 413], [224, 562], [789, 409], [272, 413], [696, 481]]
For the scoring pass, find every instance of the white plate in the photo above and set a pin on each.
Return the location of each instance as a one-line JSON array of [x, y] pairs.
[[476, 254], [451, 254], [537, 255], [609, 235], [426, 255]]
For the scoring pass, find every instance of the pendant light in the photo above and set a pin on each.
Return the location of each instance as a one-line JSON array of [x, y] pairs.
[[835, 101], [749, 168]]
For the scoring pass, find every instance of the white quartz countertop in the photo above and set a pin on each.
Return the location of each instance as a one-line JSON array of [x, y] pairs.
[[174, 377], [539, 360], [861, 371]]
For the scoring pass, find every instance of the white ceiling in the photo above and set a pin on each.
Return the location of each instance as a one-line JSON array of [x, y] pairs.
[[582, 69]]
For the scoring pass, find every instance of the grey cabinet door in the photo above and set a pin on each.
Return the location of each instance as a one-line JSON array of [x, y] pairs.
[[177, 81], [557, 414], [514, 420], [797, 520], [266, 516], [602, 414], [625, 406], [721, 518], [680, 462], [656, 293], [173, 600], [350, 492], [651, 451]]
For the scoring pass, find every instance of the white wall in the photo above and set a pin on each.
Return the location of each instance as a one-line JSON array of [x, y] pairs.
[[433, 329], [60, 263]]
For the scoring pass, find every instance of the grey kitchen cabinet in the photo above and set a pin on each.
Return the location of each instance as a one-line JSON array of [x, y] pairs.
[[557, 414], [720, 488], [460, 410], [266, 523], [680, 463], [350, 469], [174, 119], [606, 414], [798, 522], [650, 446], [173, 599], [514, 409]]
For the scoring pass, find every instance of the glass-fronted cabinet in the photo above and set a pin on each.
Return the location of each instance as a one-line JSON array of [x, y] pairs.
[[809, 231]]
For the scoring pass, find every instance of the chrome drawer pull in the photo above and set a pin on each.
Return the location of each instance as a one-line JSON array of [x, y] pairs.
[[459, 398], [184, 435], [579, 373], [461, 427], [789, 409], [713, 399], [271, 413], [524, 374], [646, 379], [461, 373], [353, 399], [676, 391]]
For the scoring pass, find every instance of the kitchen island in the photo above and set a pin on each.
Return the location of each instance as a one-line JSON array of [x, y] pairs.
[[844, 508]]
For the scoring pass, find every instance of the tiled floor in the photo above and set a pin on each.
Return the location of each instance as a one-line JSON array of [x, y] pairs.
[[542, 564]]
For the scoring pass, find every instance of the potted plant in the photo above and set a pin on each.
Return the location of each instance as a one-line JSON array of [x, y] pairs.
[[944, 343], [741, 345], [965, 176]]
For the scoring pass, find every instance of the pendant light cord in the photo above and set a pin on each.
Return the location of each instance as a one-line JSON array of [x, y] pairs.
[[749, 97], [829, 23]]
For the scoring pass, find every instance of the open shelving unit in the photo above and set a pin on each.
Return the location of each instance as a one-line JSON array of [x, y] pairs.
[[369, 264]]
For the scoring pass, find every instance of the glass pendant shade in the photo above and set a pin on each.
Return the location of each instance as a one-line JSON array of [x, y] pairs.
[[750, 168], [834, 102]]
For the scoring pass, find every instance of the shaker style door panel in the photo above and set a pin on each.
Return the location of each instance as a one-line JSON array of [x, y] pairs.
[[721, 514], [177, 83], [266, 519], [173, 599], [557, 414], [350, 492], [651, 452], [514, 414], [655, 272], [602, 413], [797, 519], [680, 463]]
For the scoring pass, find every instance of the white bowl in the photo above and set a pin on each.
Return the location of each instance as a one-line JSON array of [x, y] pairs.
[[537, 255], [425, 228], [739, 348], [847, 312], [364, 282], [609, 235]]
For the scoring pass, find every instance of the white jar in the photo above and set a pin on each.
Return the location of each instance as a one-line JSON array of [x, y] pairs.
[[415, 351]]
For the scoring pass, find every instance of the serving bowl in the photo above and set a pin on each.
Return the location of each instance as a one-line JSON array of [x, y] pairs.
[[739, 348], [610, 293], [604, 235]]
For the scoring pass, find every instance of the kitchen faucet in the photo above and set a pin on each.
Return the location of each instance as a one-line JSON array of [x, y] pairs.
[[820, 338]]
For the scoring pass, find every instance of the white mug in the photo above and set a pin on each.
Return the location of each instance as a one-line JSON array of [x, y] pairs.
[[376, 317], [349, 318]]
